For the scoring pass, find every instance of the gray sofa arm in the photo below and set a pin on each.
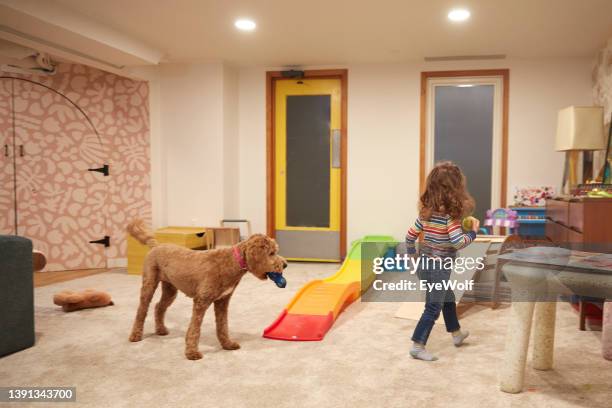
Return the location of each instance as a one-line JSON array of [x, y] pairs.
[[16, 294]]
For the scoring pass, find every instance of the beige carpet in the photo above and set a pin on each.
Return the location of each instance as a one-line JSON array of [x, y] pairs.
[[363, 361]]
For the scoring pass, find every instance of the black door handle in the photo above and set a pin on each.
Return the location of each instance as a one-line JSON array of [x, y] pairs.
[[104, 241], [104, 170], [6, 152]]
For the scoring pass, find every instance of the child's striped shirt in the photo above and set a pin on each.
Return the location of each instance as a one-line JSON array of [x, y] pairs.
[[443, 236]]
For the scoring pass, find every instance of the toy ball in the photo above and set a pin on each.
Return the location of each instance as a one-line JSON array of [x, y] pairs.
[[277, 278], [467, 223]]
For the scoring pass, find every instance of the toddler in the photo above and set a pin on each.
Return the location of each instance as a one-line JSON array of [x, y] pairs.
[[443, 204]]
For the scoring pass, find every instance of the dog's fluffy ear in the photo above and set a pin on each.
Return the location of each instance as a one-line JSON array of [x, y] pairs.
[[258, 246]]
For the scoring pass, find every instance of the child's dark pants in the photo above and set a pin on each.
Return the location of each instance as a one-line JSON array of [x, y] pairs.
[[436, 301]]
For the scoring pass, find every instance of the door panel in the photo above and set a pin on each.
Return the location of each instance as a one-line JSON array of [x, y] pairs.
[[307, 183], [310, 245], [308, 166], [61, 205], [463, 126], [7, 182]]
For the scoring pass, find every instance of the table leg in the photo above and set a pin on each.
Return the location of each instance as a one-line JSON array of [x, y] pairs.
[[517, 344], [606, 330], [544, 335]]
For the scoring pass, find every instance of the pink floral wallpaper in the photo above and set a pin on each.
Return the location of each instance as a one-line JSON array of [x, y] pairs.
[[63, 125]]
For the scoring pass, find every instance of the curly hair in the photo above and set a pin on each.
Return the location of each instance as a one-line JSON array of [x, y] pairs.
[[446, 193]]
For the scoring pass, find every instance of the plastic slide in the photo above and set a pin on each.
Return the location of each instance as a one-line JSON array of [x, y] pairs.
[[315, 307]]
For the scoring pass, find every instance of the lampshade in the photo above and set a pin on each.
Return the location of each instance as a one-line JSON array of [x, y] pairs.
[[580, 128]]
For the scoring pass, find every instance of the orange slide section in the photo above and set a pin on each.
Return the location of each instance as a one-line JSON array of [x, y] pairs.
[[315, 307]]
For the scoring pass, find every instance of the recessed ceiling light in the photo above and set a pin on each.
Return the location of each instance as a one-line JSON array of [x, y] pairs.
[[245, 24], [458, 15], [465, 85]]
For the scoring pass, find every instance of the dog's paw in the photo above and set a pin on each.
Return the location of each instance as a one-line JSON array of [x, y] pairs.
[[161, 331], [230, 345], [193, 355], [135, 337]]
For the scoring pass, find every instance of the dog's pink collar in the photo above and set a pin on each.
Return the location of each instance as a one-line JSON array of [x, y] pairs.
[[240, 259]]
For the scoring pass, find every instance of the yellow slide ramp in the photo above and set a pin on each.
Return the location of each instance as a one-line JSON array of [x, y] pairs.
[[315, 307]]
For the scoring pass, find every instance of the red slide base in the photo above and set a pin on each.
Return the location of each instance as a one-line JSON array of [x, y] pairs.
[[299, 327]]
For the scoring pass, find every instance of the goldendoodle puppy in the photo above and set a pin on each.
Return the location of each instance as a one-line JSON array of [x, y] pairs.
[[205, 276]]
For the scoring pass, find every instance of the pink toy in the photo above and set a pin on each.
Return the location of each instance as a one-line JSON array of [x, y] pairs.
[[501, 217]]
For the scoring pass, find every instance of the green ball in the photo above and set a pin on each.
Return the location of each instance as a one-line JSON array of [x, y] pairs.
[[467, 223]]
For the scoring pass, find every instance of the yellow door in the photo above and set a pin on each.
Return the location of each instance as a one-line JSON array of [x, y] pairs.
[[307, 168]]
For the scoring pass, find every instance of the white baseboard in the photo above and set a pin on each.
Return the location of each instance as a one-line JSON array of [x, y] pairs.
[[117, 263]]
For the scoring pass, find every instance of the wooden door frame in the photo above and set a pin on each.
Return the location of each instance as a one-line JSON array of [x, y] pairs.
[[271, 78], [505, 75]]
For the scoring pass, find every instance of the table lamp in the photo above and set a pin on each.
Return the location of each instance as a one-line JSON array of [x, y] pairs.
[[579, 128]]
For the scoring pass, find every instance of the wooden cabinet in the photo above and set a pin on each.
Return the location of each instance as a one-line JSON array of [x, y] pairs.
[[557, 211], [556, 232], [575, 218], [580, 223]]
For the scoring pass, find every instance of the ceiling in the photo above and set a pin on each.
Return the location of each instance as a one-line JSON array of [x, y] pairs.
[[321, 32]]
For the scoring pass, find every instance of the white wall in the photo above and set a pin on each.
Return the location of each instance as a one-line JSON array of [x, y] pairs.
[[208, 138], [231, 204], [158, 159], [538, 89], [192, 141], [157, 156], [383, 135], [252, 147]]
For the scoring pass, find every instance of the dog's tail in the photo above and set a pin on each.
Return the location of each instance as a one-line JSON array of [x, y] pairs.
[[139, 231]]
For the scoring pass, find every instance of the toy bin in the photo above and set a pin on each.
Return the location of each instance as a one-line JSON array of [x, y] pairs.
[[188, 237]]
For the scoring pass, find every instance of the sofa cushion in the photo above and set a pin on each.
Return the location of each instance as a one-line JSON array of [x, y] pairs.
[[16, 294]]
